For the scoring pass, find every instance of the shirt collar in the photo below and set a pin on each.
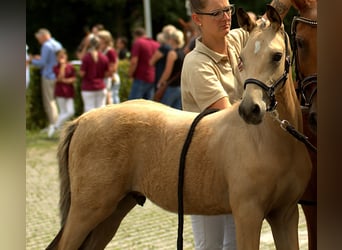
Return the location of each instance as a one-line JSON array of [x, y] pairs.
[[202, 48]]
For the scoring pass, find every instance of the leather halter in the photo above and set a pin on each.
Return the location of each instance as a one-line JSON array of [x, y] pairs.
[[270, 90], [304, 83]]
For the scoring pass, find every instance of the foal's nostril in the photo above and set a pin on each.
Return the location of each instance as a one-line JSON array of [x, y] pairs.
[[256, 109]]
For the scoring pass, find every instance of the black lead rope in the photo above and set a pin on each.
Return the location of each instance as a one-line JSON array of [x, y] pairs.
[[285, 125], [301, 137], [181, 174]]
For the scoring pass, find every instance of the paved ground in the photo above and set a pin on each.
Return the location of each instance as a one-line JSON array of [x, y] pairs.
[[147, 227]]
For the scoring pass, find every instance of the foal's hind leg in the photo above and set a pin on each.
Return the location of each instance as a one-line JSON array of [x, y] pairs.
[[104, 232], [90, 205], [284, 225], [80, 221]]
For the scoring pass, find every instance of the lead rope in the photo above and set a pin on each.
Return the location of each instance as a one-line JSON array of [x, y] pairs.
[[285, 125], [181, 174]]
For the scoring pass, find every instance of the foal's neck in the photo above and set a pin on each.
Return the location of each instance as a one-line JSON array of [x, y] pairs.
[[288, 105]]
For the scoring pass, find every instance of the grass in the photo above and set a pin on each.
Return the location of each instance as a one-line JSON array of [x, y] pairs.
[[40, 140]]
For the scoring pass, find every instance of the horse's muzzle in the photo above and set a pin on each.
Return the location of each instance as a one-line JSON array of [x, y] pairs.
[[251, 113]]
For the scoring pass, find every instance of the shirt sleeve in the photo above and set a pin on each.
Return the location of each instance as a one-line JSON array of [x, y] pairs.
[[112, 56], [135, 49], [238, 38], [200, 83], [43, 57]]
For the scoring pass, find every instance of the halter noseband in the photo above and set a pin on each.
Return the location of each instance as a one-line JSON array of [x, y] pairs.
[[306, 82], [270, 90]]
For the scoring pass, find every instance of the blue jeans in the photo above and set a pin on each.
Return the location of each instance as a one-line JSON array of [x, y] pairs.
[[141, 89], [115, 93], [172, 97]]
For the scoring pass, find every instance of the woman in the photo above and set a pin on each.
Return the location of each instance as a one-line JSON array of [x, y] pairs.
[[64, 90], [172, 70], [93, 70], [210, 79], [113, 80]]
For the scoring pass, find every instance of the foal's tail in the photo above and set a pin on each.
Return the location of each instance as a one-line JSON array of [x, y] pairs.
[[63, 159]]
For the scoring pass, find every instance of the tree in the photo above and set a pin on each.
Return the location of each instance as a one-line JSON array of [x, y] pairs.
[[67, 19]]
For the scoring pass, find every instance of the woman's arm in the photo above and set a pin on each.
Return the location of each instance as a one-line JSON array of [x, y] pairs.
[[282, 6], [220, 104], [170, 60], [155, 57]]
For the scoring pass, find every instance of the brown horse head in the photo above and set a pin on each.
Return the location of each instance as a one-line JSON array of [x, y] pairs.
[[304, 34], [265, 60]]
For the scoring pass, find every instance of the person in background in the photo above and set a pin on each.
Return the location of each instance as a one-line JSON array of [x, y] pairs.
[[192, 40], [64, 90], [113, 80], [211, 79], [121, 48], [159, 56], [140, 70], [82, 48], [172, 71], [94, 69], [46, 61]]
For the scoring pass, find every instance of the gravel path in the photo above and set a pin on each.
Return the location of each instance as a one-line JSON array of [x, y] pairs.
[[147, 227]]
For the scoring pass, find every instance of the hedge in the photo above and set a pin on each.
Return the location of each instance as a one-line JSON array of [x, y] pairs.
[[35, 115]]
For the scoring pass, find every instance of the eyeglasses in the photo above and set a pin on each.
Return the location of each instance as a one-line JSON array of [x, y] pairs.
[[218, 14]]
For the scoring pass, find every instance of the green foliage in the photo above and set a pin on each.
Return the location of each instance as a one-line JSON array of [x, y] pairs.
[[126, 82], [35, 115]]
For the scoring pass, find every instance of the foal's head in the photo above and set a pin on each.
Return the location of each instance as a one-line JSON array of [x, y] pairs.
[[265, 62]]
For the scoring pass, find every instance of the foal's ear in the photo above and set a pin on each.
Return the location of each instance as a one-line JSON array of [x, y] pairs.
[[244, 20], [273, 16]]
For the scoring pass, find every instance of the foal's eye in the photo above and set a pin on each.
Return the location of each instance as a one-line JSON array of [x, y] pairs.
[[276, 57]]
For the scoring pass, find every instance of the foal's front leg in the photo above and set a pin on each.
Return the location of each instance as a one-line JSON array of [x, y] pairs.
[[248, 222], [284, 225]]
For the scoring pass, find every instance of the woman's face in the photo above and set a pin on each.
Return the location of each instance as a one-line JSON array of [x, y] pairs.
[[214, 19], [62, 57], [102, 43]]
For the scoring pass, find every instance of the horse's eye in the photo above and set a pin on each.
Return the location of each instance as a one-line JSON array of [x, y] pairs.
[[277, 57]]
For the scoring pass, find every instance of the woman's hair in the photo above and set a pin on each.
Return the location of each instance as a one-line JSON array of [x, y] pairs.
[[178, 37], [160, 38], [197, 5], [61, 51], [167, 30], [106, 36], [94, 42]]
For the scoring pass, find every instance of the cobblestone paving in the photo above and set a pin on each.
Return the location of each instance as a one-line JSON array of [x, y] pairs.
[[144, 228]]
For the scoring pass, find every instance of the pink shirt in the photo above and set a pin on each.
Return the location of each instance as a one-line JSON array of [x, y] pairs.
[[111, 55], [94, 72], [64, 89], [143, 48]]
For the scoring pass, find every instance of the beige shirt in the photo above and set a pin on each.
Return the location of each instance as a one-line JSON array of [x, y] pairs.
[[208, 76]]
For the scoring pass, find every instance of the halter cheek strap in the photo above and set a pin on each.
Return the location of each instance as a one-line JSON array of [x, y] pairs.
[[303, 82]]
